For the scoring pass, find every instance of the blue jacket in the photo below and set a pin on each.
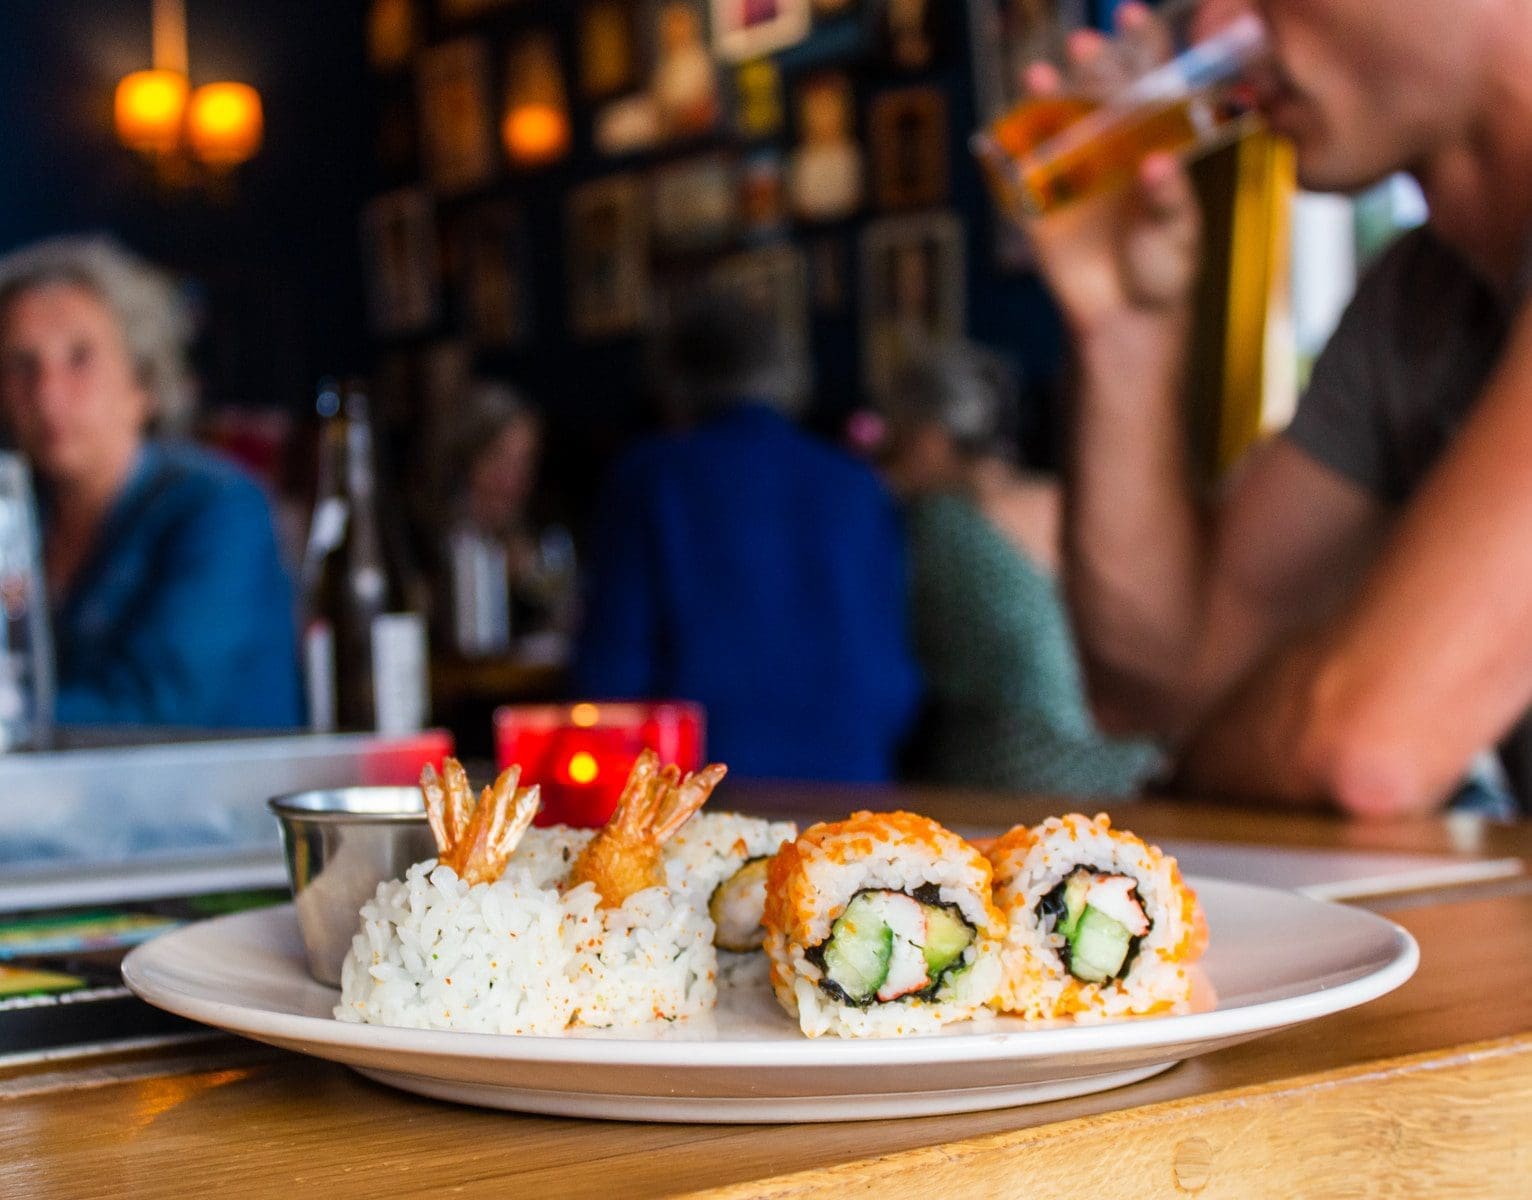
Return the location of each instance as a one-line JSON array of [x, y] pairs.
[[182, 614], [755, 569]]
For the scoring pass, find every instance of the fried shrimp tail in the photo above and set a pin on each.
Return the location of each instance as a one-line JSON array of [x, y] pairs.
[[624, 858], [477, 839]]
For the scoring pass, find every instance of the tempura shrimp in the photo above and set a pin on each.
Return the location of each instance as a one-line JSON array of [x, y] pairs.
[[624, 857], [477, 840]]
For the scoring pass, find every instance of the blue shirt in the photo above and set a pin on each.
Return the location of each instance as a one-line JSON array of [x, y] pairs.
[[182, 613], [752, 568]]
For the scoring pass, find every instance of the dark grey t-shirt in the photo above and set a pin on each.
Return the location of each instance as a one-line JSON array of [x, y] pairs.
[[1411, 355], [1410, 358]]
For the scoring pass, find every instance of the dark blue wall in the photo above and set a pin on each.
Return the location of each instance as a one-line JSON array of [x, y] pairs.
[[274, 266]]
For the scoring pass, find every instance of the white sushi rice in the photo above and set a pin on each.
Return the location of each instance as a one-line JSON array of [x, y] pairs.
[[546, 854], [515, 956], [435, 953], [712, 846], [901, 865], [1036, 980], [650, 960]]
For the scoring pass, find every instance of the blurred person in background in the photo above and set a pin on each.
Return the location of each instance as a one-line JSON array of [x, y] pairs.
[[1005, 700], [513, 574], [169, 602], [747, 565], [1352, 623]]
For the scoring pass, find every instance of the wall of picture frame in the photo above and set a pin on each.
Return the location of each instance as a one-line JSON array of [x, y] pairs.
[[552, 169]]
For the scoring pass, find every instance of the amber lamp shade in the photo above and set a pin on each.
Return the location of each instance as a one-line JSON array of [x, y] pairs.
[[224, 124], [535, 128], [150, 109]]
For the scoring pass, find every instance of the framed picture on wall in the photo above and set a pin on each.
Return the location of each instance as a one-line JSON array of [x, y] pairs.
[[909, 33], [751, 28], [693, 205], [608, 256], [907, 130], [775, 278], [466, 10], [391, 34], [608, 49], [913, 291], [490, 265], [827, 275], [762, 196], [758, 104], [398, 143], [456, 126], [402, 262], [1005, 36]]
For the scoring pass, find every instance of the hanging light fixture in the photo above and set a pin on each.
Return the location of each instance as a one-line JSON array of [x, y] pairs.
[[158, 114], [224, 123], [150, 107]]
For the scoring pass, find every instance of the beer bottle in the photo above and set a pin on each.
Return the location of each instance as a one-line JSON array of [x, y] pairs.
[[365, 652]]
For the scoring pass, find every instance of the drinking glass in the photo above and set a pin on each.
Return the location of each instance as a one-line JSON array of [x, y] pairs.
[[26, 652], [1050, 151]]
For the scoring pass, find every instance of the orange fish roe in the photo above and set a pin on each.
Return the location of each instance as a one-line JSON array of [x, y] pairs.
[[792, 902]]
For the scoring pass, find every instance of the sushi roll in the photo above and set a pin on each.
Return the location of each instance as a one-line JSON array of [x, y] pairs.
[[718, 861], [881, 925], [1100, 924]]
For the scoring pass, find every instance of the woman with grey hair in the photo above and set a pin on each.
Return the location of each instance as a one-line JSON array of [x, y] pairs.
[[1006, 705], [170, 605]]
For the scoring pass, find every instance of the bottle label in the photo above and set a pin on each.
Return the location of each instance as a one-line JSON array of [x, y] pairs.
[[328, 528], [319, 674], [399, 672]]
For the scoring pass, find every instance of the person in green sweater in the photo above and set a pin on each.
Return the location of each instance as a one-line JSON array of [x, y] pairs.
[[1006, 704]]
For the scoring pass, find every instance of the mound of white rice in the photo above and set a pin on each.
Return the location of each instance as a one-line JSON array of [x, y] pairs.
[[434, 953], [650, 960], [516, 957]]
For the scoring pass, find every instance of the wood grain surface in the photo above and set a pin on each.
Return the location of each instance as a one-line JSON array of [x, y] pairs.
[[1426, 1092]]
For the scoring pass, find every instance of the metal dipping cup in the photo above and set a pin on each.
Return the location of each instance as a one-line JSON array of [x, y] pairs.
[[340, 844]]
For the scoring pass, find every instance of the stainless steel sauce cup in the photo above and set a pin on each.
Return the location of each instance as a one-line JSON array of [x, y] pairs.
[[340, 844]]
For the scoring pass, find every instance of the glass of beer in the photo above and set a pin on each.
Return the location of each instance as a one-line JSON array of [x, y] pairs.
[[1049, 151]]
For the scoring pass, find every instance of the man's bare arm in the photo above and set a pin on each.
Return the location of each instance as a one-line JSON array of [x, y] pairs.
[[1384, 709], [1172, 619]]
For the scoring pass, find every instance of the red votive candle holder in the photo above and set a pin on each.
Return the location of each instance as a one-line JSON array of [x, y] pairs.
[[580, 754]]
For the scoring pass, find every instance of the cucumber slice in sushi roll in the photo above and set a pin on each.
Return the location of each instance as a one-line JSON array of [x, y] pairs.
[[881, 925], [888, 945]]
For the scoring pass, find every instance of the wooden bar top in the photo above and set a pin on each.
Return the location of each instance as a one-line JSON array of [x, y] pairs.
[[1425, 1092]]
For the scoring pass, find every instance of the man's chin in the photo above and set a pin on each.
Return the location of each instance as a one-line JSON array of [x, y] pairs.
[[1328, 172]]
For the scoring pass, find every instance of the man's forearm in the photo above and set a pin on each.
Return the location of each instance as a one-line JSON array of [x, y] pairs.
[[1134, 536]]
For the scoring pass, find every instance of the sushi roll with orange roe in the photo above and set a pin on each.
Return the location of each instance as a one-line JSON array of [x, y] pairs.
[[1100, 924], [881, 925]]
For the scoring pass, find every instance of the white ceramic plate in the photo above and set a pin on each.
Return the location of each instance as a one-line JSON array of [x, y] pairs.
[[1277, 959]]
